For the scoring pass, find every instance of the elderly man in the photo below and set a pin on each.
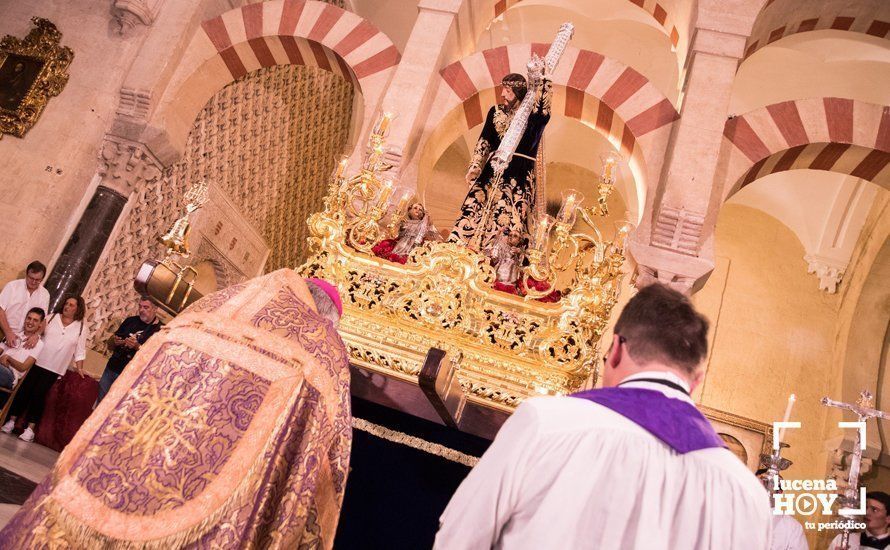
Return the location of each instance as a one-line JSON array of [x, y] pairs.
[[633, 465], [230, 428], [877, 526], [127, 340], [17, 298]]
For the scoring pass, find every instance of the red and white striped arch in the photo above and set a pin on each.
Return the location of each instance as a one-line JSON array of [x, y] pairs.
[[603, 93], [278, 32], [835, 134], [779, 19], [652, 7]]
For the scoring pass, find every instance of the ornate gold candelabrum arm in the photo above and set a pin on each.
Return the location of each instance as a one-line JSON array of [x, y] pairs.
[[596, 263], [357, 204]]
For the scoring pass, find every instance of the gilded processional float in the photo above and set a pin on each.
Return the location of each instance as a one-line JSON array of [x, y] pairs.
[[436, 323]]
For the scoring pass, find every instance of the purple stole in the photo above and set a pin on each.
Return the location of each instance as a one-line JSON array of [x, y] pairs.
[[675, 422]]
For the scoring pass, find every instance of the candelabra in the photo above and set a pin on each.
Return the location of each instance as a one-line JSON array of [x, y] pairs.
[[611, 161], [554, 249], [360, 202]]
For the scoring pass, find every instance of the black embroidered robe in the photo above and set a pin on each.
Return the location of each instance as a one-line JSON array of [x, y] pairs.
[[515, 196]]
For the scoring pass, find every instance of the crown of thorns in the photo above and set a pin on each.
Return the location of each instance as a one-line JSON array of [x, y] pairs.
[[514, 81]]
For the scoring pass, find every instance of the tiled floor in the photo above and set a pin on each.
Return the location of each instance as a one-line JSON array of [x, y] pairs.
[[28, 460]]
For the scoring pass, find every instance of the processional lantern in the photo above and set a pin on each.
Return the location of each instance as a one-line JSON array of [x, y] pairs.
[[169, 283]]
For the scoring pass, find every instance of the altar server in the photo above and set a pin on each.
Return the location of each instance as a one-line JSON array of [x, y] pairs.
[[632, 466]]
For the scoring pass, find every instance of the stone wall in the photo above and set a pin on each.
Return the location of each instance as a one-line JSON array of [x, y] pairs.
[[48, 173], [270, 141]]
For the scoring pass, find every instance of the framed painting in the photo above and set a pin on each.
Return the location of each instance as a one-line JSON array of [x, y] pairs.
[[747, 438], [32, 70]]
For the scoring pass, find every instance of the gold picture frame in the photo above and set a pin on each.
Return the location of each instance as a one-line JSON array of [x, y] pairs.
[[747, 438], [32, 70]]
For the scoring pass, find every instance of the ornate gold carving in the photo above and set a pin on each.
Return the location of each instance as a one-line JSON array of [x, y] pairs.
[[510, 348], [176, 239], [414, 442], [32, 70], [502, 120]]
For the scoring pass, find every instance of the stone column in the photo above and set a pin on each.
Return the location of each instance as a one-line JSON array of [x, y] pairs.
[[413, 86], [675, 245], [123, 167]]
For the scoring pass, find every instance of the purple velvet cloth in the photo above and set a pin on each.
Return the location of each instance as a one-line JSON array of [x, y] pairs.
[[676, 423]]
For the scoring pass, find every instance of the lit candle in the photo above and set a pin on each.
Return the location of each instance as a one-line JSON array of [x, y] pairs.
[[542, 231], [607, 170], [403, 202], [383, 123], [791, 399], [385, 192], [570, 201], [341, 167]]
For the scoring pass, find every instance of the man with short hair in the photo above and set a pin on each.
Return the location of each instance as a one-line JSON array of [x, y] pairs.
[[877, 526], [127, 340], [633, 465], [787, 531], [17, 298], [16, 360]]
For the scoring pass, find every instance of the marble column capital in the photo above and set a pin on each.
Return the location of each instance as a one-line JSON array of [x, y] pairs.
[[682, 272], [130, 13], [125, 165]]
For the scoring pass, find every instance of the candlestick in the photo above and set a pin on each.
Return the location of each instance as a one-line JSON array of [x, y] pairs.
[[385, 192], [791, 399], [542, 232], [571, 199], [610, 163], [402, 204]]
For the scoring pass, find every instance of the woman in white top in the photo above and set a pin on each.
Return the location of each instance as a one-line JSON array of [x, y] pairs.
[[64, 343]]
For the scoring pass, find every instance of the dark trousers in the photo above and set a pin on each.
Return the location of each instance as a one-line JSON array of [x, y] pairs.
[[108, 378], [31, 398]]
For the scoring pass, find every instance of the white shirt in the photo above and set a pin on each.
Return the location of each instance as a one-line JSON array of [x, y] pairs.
[[16, 301], [565, 472], [62, 345], [854, 542], [20, 354], [788, 534]]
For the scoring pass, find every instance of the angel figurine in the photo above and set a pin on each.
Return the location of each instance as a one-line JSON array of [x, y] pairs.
[[506, 254], [414, 230]]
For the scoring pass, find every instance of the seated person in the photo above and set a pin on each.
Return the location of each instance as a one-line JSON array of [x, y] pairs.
[[415, 230], [16, 360], [506, 254]]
